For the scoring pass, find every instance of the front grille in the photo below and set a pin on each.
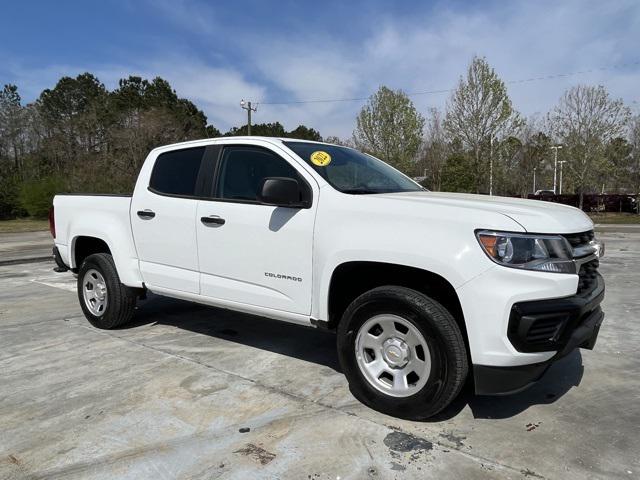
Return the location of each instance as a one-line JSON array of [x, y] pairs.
[[588, 276]]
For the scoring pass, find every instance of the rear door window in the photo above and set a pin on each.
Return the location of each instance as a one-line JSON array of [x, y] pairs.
[[176, 172]]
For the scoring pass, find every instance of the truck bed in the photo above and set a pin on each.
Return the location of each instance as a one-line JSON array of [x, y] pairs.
[[102, 216]]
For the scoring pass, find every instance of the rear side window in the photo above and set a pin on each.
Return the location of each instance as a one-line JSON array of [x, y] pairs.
[[176, 172], [243, 169]]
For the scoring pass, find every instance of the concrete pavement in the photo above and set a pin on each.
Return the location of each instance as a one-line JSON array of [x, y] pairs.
[[194, 392]]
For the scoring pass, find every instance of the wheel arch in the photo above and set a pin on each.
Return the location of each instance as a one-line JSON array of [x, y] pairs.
[[84, 245], [351, 279]]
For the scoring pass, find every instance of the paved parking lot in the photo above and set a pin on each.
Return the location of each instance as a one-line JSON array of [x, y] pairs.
[[194, 392]]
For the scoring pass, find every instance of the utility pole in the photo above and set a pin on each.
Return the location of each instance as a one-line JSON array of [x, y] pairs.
[[249, 109], [491, 165], [561, 162], [555, 166], [534, 179]]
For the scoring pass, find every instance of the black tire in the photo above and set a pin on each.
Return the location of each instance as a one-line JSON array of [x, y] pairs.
[[449, 364], [121, 300]]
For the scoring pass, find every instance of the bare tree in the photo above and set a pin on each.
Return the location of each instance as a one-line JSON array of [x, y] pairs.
[[339, 141], [434, 149], [634, 141], [533, 155], [634, 137], [12, 120], [478, 112], [585, 120], [390, 127]]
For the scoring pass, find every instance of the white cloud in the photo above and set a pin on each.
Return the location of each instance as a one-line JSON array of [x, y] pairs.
[[186, 14], [521, 40], [426, 51], [217, 91]]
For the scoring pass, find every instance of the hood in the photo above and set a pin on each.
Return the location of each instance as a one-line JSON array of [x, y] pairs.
[[533, 215]]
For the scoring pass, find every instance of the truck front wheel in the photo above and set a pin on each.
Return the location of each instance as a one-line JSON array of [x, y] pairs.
[[402, 352], [105, 301]]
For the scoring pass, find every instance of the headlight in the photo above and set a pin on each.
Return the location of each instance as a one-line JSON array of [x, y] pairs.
[[545, 253]]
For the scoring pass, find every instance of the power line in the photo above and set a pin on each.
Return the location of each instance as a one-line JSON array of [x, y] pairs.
[[447, 90]]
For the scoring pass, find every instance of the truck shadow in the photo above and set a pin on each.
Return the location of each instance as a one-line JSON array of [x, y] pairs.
[[296, 341], [319, 347], [561, 377]]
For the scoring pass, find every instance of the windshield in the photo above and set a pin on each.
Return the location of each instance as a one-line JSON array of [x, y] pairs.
[[351, 171]]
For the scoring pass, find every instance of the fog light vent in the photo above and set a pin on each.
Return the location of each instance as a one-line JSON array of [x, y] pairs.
[[544, 330]]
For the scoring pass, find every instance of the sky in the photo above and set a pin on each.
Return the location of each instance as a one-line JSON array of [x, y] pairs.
[[217, 53]]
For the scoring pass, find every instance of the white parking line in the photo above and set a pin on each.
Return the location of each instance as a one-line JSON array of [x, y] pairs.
[[70, 287]]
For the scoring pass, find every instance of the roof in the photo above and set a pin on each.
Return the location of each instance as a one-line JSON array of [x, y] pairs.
[[209, 141]]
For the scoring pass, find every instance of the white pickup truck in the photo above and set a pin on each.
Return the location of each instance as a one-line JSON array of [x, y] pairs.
[[424, 290]]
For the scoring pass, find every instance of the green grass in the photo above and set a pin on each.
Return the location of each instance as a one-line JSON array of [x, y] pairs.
[[616, 218], [23, 225]]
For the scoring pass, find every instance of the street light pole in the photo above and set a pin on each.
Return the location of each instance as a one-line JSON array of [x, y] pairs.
[[555, 166], [249, 109], [534, 179], [562, 162]]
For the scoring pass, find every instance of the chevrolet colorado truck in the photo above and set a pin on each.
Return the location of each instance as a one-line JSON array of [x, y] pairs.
[[424, 290]]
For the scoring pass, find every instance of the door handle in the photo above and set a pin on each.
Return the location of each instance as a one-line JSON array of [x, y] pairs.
[[146, 214], [212, 220]]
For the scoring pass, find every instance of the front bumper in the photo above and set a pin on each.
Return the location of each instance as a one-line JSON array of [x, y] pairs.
[[558, 325]]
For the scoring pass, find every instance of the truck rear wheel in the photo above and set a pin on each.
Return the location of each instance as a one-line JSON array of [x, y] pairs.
[[402, 352], [105, 301]]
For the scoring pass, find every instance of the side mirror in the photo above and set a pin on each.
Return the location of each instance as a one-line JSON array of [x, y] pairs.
[[280, 192]]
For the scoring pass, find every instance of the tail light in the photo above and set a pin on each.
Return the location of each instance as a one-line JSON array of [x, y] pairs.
[[52, 222]]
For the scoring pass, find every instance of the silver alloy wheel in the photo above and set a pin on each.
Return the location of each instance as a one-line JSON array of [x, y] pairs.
[[393, 355], [94, 290]]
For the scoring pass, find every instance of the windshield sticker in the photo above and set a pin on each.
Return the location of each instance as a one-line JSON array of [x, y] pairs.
[[320, 158]]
